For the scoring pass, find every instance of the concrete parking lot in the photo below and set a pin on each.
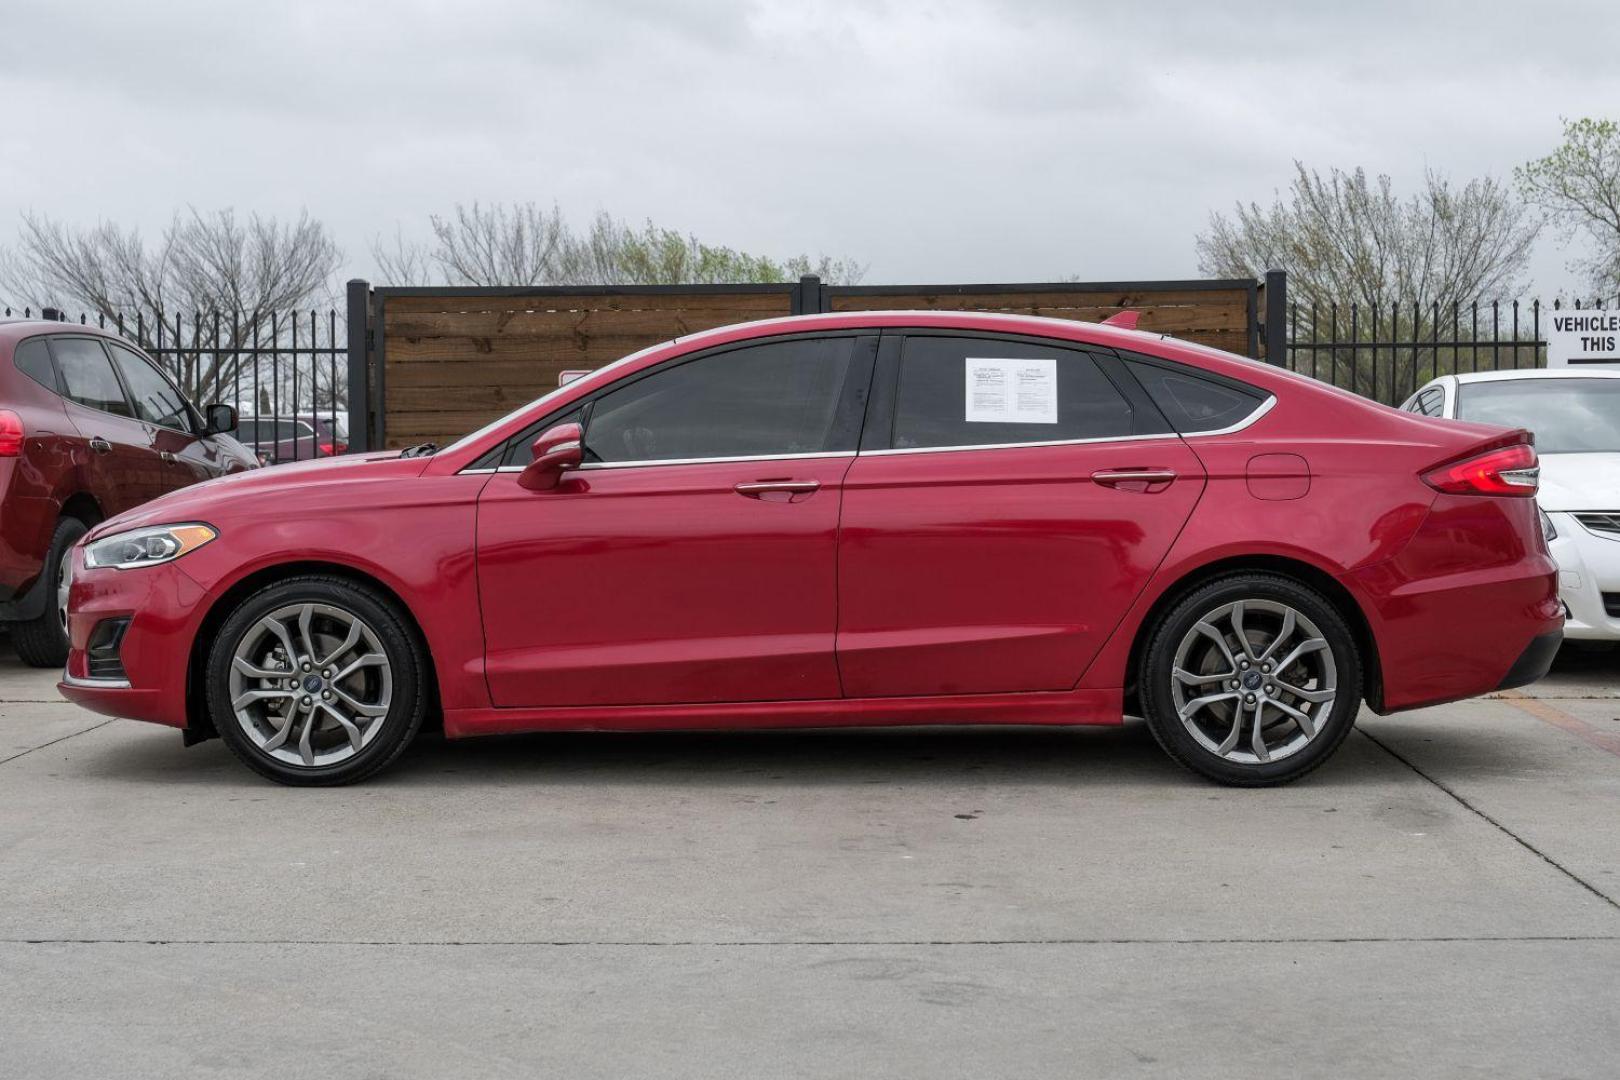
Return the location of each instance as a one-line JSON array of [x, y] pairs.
[[1442, 899]]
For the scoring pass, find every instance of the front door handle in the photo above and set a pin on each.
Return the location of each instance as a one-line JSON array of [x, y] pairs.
[[755, 488], [1113, 477], [168, 457], [100, 445]]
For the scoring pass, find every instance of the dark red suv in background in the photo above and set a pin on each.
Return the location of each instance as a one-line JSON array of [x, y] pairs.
[[89, 427]]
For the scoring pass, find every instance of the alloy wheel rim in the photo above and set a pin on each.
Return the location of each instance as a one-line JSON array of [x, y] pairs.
[[310, 684], [1254, 681], [64, 584]]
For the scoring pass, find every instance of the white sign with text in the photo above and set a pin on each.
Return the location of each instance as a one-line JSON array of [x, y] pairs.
[[1583, 338]]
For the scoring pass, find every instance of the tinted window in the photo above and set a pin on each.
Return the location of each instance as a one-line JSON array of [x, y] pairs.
[[33, 359], [87, 375], [1194, 403], [777, 398], [979, 392], [1569, 416], [155, 400]]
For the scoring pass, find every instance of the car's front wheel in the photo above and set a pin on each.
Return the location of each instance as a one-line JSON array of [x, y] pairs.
[[316, 680], [1252, 679]]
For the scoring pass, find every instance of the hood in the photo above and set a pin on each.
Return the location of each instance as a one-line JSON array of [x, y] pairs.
[[195, 502], [1572, 482]]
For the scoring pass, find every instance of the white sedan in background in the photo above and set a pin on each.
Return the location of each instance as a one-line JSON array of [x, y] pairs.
[[1575, 414]]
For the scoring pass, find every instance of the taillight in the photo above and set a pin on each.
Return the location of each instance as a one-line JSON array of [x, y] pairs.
[[1510, 470], [330, 449], [11, 434]]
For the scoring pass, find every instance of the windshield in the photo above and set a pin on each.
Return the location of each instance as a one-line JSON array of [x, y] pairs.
[[1569, 416]]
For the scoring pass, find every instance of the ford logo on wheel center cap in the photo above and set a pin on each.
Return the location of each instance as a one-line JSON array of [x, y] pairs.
[[312, 683]]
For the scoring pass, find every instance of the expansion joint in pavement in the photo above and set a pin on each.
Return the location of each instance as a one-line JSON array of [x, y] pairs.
[[53, 742], [1488, 819]]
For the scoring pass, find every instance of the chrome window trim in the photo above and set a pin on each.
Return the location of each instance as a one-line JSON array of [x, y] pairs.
[[654, 462], [1259, 411], [1014, 446]]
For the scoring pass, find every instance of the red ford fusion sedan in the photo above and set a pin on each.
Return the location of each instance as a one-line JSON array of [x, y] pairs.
[[889, 518]]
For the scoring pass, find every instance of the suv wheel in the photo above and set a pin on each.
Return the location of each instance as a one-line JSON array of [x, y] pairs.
[[1251, 680], [316, 680], [42, 642]]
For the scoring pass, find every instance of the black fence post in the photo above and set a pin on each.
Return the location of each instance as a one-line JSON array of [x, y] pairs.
[[1275, 330], [360, 426], [806, 296]]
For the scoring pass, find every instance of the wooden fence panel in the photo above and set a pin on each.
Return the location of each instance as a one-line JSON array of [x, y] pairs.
[[1219, 317], [452, 360]]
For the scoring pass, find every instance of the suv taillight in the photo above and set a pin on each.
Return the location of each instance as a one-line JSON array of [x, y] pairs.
[[1509, 470], [11, 434]]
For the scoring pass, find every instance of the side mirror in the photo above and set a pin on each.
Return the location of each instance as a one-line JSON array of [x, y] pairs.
[[219, 418], [555, 452]]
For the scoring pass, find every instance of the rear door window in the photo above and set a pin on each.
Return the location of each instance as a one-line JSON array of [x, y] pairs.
[[88, 377], [963, 392]]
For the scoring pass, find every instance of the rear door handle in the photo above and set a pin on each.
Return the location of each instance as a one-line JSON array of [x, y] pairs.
[[1111, 477], [756, 488], [100, 445]]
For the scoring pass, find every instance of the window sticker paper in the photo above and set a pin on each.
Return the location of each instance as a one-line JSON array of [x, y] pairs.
[[1011, 391]]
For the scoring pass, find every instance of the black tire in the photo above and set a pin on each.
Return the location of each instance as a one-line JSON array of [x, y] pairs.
[[406, 658], [1158, 661], [42, 642]]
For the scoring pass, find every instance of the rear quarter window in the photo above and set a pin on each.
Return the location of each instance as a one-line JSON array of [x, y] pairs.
[[33, 359], [1195, 401]]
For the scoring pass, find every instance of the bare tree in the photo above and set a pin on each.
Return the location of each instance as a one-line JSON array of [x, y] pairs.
[[528, 245], [1578, 185], [215, 283], [1345, 240]]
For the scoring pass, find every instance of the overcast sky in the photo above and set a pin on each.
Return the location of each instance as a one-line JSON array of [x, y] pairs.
[[936, 141]]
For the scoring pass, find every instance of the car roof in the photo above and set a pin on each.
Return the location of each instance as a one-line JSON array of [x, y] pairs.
[[1533, 373], [14, 329]]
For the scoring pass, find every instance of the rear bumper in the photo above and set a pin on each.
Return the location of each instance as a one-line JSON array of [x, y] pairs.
[[1469, 606], [1534, 662]]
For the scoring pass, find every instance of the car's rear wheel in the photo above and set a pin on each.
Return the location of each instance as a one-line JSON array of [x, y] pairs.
[[316, 680], [1252, 679], [42, 641]]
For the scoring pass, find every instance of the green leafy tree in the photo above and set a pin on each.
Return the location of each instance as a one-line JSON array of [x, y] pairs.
[[1578, 185]]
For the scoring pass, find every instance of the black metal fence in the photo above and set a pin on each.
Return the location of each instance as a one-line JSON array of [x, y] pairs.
[[1386, 351], [287, 373]]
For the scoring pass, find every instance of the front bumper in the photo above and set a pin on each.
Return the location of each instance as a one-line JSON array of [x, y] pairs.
[[162, 605], [1588, 567]]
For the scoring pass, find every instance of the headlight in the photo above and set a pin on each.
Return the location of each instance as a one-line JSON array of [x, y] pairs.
[[146, 547], [1548, 530]]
